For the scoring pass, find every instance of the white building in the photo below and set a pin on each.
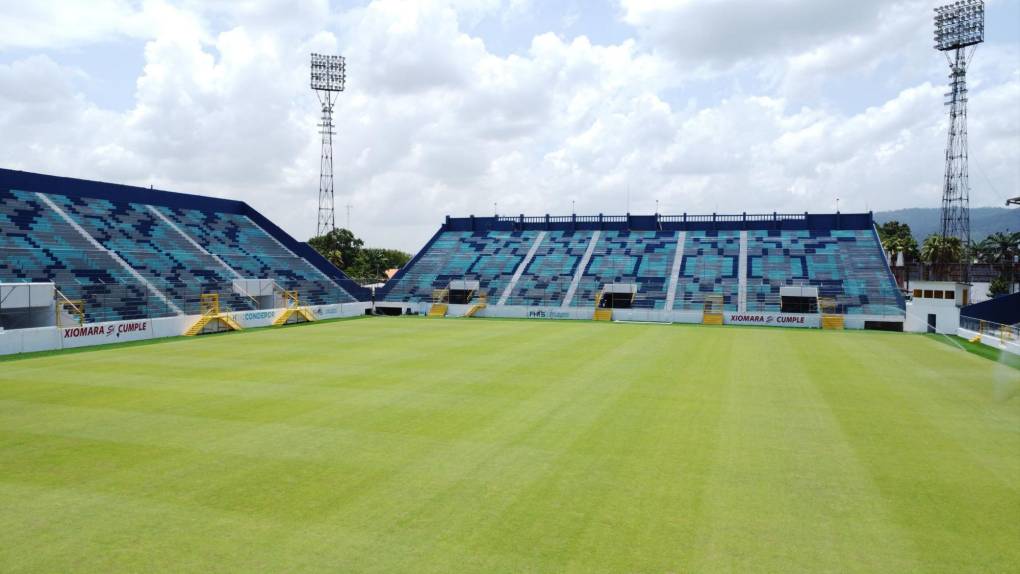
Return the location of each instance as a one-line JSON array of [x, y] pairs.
[[934, 306]]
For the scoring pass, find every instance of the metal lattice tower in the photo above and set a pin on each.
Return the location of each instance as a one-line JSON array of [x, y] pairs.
[[329, 74], [959, 28]]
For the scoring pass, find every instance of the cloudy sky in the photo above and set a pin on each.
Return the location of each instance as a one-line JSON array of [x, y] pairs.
[[455, 105]]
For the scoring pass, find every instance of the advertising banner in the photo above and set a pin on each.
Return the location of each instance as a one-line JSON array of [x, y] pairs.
[[260, 318], [105, 333], [773, 320]]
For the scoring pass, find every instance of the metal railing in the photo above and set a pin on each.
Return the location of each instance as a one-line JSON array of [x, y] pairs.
[[681, 218], [991, 328]]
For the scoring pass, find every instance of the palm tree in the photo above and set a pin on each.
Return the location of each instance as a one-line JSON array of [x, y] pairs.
[[905, 245], [1002, 249], [940, 252]]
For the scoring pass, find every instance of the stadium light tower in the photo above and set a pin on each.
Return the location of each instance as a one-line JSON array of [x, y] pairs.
[[959, 28], [329, 74]]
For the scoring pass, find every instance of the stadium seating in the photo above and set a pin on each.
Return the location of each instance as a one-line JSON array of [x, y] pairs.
[[37, 245], [159, 253], [131, 253], [548, 275], [709, 267], [642, 258], [845, 265], [489, 258], [838, 254], [253, 253]]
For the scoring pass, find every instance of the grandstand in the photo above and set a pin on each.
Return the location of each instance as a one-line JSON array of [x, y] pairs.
[[131, 253], [119, 253], [659, 267]]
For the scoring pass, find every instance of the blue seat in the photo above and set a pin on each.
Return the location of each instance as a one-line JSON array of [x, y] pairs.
[[157, 251], [37, 245], [847, 266], [710, 268], [253, 253], [491, 258], [547, 278], [640, 258]]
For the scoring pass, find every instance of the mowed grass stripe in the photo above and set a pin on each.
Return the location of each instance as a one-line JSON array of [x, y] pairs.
[[469, 445], [785, 485], [921, 426]]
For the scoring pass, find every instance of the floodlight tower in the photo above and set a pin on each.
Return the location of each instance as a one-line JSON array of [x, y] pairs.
[[959, 28], [329, 74]]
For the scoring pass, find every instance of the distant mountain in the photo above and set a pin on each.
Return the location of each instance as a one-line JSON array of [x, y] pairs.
[[925, 221]]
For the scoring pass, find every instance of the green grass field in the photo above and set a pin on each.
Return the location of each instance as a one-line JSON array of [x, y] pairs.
[[418, 445]]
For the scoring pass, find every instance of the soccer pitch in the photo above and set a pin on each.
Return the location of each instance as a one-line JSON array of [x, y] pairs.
[[423, 445]]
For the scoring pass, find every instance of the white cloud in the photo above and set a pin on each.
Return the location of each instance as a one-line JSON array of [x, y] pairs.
[[433, 123], [723, 31], [62, 24]]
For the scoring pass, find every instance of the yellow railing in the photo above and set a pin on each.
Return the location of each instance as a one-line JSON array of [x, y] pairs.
[[293, 308], [74, 307], [440, 295], [209, 304], [831, 317], [713, 310]]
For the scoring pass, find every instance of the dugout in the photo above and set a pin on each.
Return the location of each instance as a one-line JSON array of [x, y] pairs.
[[27, 305], [462, 292], [617, 296], [800, 299]]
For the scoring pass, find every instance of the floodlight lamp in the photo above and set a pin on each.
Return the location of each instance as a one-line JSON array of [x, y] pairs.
[[328, 73], [959, 25]]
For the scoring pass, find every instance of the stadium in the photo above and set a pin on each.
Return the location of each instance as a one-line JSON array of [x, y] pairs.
[[186, 386], [622, 416]]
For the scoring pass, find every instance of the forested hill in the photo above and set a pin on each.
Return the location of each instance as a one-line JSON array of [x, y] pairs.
[[925, 221]]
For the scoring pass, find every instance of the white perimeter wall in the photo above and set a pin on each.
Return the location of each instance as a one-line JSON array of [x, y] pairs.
[[789, 320], [992, 341], [92, 334]]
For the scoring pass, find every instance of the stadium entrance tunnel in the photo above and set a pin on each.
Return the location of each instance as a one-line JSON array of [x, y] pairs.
[[462, 292], [798, 299], [617, 296]]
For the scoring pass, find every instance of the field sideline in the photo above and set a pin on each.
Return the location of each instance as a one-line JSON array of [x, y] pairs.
[[424, 445]]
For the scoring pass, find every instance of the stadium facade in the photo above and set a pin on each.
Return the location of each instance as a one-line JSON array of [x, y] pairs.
[[89, 260]]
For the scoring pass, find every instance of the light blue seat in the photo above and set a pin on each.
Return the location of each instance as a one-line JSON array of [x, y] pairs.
[[159, 253], [37, 245], [253, 253], [490, 258], [641, 258], [710, 268], [547, 278], [847, 266]]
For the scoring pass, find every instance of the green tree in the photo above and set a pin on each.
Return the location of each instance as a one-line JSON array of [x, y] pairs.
[[339, 246], [999, 287], [1001, 249], [372, 263], [941, 252], [896, 238]]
